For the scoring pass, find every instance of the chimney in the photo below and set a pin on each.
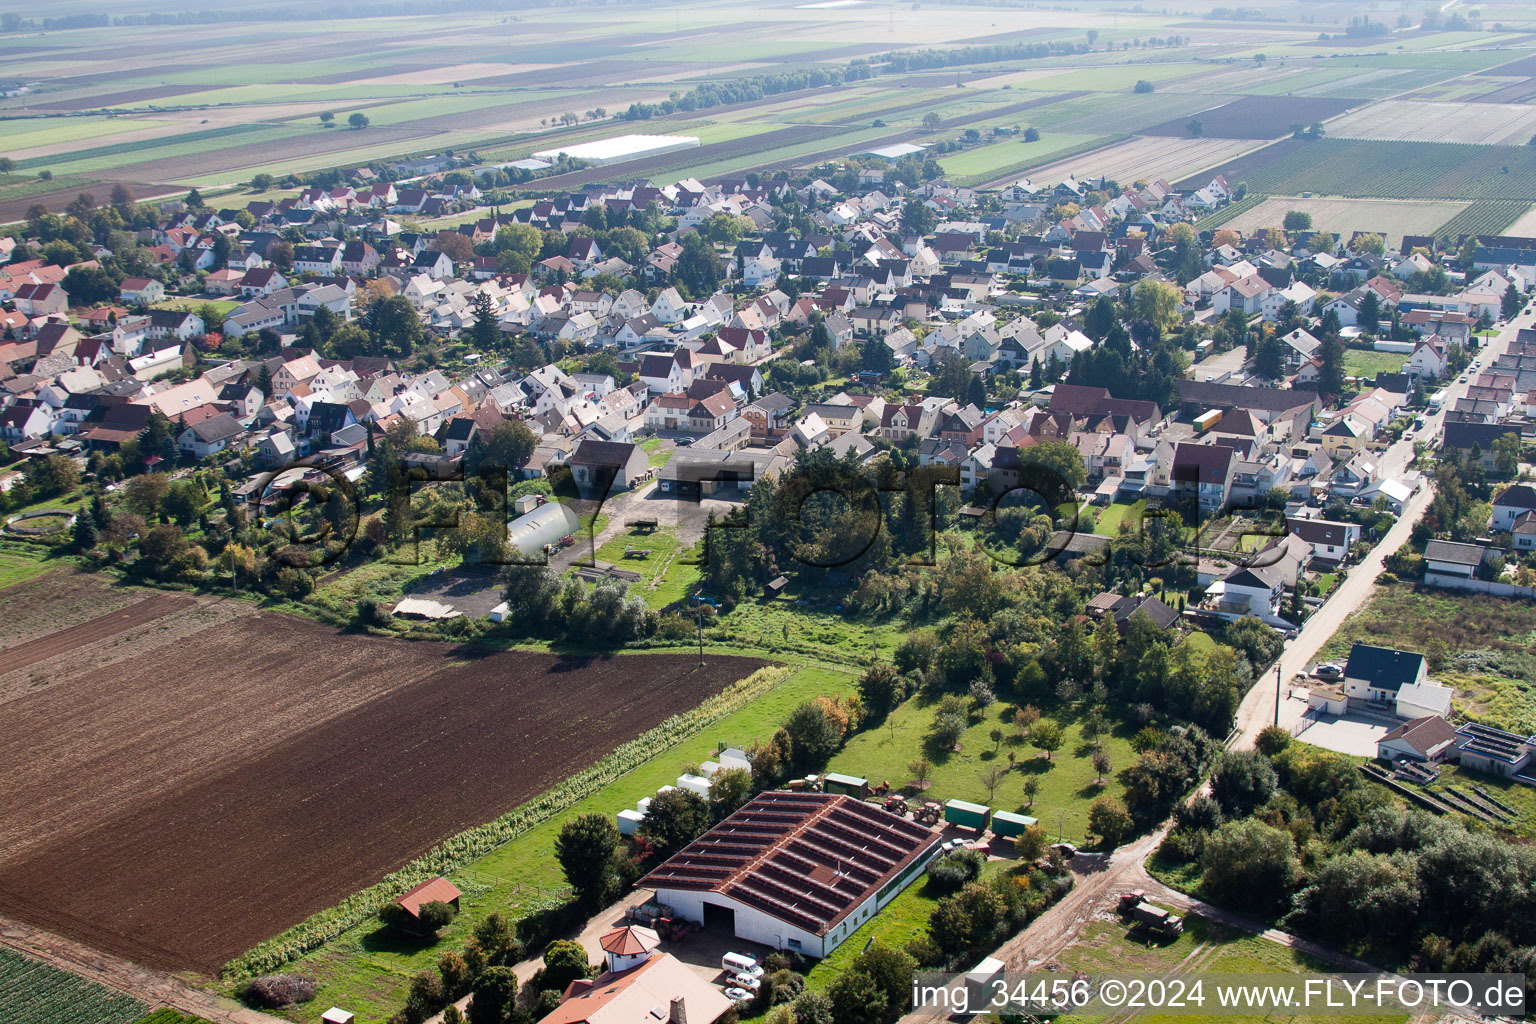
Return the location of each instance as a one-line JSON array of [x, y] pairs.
[[679, 1013]]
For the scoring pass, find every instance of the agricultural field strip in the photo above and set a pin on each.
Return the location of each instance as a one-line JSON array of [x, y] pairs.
[[1390, 218], [1416, 121], [379, 739], [74, 637]]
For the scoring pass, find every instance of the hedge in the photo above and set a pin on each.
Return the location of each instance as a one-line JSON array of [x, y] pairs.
[[454, 853]]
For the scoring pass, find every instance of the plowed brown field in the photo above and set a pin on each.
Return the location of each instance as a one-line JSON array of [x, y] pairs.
[[179, 805]]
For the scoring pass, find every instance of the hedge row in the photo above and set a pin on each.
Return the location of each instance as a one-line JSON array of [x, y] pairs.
[[454, 853]]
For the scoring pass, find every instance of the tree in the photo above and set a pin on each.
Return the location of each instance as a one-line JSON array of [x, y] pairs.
[[496, 942], [920, 768], [1156, 303], [1031, 843], [729, 788], [932, 122], [1031, 134], [1031, 789], [1046, 736], [699, 266], [565, 961], [1249, 865], [358, 121], [1272, 739], [89, 286], [1297, 220], [434, 915], [1370, 242], [585, 848], [183, 501], [1196, 128], [1330, 377], [1144, 86], [1101, 763], [1510, 304], [326, 117], [917, 217], [486, 330], [396, 324], [84, 534], [1026, 717], [1369, 315], [262, 182], [675, 819], [1108, 819], [495, 998], [813, 737], [881, 688], [1506, 453], [856, 997]]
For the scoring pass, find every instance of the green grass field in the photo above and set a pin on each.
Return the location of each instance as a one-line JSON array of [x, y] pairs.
[[1203, 949], [986, 162], [1360, 363], [667, 578], [368, 973], [1067, 781]]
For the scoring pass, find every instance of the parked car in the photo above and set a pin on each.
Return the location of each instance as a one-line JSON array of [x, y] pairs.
[[1331, 673], [747, 981], [738, 995]]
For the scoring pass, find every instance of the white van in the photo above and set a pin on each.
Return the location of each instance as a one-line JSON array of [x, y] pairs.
[[739, 963]]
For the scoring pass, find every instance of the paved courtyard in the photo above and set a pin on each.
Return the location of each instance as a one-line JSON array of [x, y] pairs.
[[1347, 734]]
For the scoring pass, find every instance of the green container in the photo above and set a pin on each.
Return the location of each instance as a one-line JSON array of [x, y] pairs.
[[959, 812]]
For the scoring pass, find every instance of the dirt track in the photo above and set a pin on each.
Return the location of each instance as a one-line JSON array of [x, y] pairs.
[[194, 790]]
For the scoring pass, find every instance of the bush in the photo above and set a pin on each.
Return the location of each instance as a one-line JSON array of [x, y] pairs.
[[434, 916], [952, 871], [277, 990]]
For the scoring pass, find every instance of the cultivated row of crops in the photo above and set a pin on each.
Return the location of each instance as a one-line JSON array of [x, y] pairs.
[[1400, 170], [1488, 218], [32, 992]]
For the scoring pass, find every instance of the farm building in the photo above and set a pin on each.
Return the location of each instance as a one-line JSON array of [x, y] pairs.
[[794, 870], [546, 524], [620, 148], [1494, 751], [436, 890], [639, 984]]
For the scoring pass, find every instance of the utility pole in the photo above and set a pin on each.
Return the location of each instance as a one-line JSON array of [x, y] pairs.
[[1277, 693]]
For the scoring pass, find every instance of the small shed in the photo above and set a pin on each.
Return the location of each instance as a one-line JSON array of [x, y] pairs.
[[696, 784], [336, 1015], [437, 890], [500, 612], [1010, 825], [849, 785], [968, 815], [734, 757], [776, 587]]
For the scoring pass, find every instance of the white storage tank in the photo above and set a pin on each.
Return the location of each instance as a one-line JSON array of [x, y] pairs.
[[734, 757], [629, 821]]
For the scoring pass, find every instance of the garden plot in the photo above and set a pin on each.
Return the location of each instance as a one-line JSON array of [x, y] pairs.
[[1525, 227], [1494, 124], [1391, 219]]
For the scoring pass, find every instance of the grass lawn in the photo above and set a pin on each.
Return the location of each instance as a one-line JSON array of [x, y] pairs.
[[659, 456], [19, 564], [667, 578], [368, 973], [1067, 780], [1203, 949], [182, 302], [1487, 645], [1112, 515], [1359, 363]]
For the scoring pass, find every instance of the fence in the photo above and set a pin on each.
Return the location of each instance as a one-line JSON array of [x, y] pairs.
[[1479, 586]]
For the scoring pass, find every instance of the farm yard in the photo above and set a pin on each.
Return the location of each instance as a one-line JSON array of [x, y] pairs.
[[1493, 124], [1390, 219], [214, 734]]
